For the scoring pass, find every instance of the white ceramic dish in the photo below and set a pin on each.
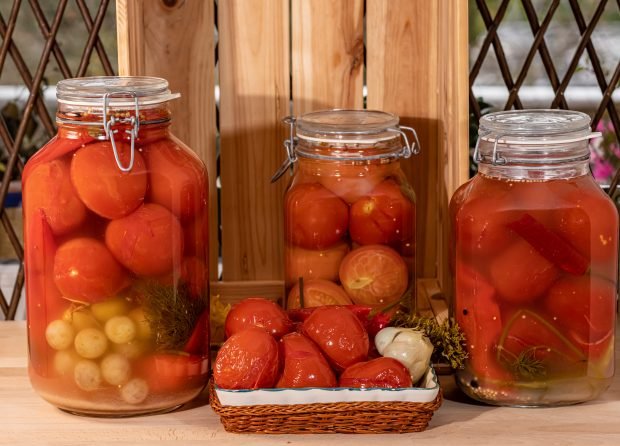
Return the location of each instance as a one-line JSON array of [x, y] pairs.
[[425, 394]]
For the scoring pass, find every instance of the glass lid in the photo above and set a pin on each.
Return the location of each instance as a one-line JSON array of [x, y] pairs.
[[120, 90], [347, 125], [535, 126]]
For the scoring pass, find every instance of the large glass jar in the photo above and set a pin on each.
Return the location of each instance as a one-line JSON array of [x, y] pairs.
[[349, 211], [536, 264], [116, 253]]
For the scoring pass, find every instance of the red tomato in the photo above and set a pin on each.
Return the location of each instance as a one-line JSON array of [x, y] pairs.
[[314, 264], [374, 275], [172, 373], [584, 308], [258, 312], [148, 241], [177, 178], [481, 227], [385, 373], [193, 273], [339, 334], [247, 360], [521, 275], [315, 218], [350, 181], [304, 364], [385, 216], [102, 186], [318, 293], [528, 333], [478, 314], [48, 188], [85, 271]]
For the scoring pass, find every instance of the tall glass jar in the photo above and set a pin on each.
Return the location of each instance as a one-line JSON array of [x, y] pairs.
[[116, 253], [349, 211], [536, 264]]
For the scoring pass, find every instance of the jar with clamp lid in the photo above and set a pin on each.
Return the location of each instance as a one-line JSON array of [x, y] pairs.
[[536, 263], [116, 253], [349, 211]]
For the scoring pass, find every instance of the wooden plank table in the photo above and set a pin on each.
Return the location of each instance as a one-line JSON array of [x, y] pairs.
[[25, 419]]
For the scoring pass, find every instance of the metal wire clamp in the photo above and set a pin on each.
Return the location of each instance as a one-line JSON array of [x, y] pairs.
[[134, 121]]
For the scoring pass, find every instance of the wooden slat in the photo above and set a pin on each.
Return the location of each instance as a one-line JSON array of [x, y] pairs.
[[177, 43], [254, 85], [417, 68], [453, 164], [431, 298], [233, 292], [327, 54]]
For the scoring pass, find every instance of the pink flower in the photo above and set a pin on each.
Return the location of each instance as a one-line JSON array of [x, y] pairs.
[[602, 170]]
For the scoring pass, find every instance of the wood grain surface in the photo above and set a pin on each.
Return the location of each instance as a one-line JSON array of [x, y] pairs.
[[25, 419], [255, 90], [327, 54]]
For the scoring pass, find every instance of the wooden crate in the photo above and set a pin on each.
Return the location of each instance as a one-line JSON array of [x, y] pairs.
[[415, 57]]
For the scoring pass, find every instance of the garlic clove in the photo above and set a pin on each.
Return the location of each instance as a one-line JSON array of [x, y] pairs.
[[385, 336], [414, 358]]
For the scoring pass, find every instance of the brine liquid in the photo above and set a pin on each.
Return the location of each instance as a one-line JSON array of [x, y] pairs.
[[116, 273], [536, 275]]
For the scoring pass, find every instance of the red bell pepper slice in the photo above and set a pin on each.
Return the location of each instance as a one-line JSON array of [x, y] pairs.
[[550, 245], [198, 342], [479, 316], [44, 302]]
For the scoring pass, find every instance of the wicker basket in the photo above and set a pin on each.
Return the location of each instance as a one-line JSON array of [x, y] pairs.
[[345, 418]]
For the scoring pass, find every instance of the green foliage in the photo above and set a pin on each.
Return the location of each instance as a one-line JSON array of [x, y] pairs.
[[527, 366], [447, 339], [171, 312]]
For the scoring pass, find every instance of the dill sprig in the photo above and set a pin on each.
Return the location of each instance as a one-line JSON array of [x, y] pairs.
[[528, 366], [171, 312], [447, 339]]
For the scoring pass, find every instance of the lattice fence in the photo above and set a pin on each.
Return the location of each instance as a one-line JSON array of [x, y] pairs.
[[56, 23], [540, 16]]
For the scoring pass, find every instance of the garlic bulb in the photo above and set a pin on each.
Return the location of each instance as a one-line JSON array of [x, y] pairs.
[[411, 347]]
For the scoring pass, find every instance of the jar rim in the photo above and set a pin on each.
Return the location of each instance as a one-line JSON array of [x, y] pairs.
[[342, 125], [535, 126], [120, 91]]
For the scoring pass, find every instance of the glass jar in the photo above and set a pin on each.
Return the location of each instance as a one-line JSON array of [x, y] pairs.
[[116, 253], [536, 263], [349, 211]]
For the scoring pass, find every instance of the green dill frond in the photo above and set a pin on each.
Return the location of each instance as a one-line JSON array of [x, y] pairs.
[[171, 312], [527, 366], [447, 339]]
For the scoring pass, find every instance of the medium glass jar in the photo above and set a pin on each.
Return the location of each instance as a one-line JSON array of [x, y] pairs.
[[349, 211], [536, 263], [116, 253]]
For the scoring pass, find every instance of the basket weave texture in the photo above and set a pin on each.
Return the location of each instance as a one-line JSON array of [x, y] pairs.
[[346, 418]]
